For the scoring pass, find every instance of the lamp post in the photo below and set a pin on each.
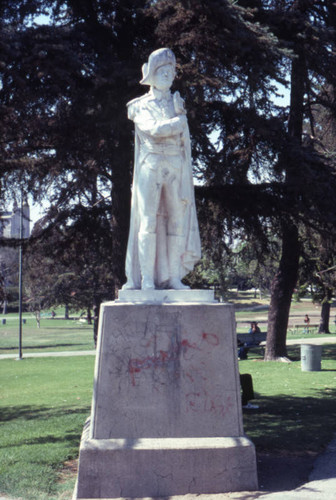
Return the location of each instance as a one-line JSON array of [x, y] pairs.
[[20, 280]]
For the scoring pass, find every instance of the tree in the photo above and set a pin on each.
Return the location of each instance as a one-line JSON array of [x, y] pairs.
[[65, 87], [323, 128], [228, 61], [262, 172], [318, 273], [302, 17], [71, 264], [254, 266], [64, 91]]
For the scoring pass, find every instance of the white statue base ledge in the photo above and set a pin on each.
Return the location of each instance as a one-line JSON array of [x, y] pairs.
[[165, 296]]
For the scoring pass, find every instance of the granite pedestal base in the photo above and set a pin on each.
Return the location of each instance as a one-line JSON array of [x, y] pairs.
[[166, 414]]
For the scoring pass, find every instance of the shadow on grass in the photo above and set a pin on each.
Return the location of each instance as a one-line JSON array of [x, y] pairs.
[[328, 352], [294, 353], [251, 306], [47, 346], [71, 438], [27, 412], [291, 424], [277, 472]]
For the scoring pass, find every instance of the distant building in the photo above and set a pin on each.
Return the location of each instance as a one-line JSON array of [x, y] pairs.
[[10, 222], [9, 257]]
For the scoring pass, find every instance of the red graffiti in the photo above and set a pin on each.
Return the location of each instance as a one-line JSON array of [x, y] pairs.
[[137, 365], [201, 402], [186, 344], [210, 338], [193, 401], [161, 360]]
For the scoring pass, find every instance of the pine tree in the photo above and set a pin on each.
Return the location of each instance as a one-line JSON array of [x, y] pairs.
[[304, 26], [65, 85], [263, 172], [65, 132]]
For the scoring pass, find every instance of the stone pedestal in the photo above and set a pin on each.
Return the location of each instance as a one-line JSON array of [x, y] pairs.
[[166, 413]]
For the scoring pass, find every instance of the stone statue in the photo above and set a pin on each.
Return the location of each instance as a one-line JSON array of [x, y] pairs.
[[164, 242]]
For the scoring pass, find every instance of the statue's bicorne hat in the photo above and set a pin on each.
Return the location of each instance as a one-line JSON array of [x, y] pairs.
[[156, 59]]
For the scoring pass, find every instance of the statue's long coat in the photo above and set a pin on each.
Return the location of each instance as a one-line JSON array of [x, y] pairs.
[[191, 251]]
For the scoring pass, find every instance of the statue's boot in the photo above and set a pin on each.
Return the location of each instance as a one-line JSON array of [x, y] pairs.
[[175, 250], [129, 285], [147, 251]]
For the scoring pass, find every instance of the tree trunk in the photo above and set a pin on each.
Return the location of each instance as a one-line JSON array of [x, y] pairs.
[[89, 317], [66, 311], [96, 311], [281, 295], [325, 313], [285, 279], [38, 318]]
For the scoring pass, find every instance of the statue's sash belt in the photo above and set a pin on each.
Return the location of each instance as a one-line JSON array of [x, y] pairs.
[[161, 149]]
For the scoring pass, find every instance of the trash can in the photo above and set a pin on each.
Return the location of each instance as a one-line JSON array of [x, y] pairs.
[[3, 321], [311, 358]]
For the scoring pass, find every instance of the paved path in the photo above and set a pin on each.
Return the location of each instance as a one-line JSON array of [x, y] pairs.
[[316, 340], [47, 355]]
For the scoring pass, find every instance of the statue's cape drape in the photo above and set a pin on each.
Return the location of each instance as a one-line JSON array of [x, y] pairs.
[[191, 248]]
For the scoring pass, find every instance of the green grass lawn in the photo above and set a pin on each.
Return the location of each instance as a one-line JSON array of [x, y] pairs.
[[53, 335], [297, 410], [44, 403]]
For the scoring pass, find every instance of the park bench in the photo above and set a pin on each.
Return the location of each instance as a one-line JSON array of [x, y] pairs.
[[312, 327], [253, 340]]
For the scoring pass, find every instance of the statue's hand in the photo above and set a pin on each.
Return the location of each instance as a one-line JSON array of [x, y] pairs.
[[179, 104], [182, 120]]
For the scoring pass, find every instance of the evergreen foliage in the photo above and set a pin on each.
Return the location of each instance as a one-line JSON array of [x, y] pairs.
[[262, 170], [65, 85]]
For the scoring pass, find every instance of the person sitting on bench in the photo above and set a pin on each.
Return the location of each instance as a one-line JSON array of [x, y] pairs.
[[254, 328], [244, 346]]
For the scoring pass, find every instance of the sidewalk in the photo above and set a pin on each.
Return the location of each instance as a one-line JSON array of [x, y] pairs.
[[47, 355], [315, 341]]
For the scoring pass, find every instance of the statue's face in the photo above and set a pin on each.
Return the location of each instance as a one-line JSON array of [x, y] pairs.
[[163, 77]]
